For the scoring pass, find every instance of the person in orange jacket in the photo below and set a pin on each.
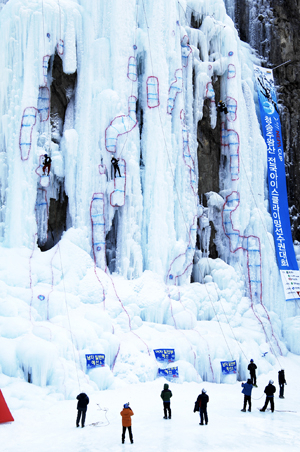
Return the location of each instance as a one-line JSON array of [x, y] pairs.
[[126, 414]]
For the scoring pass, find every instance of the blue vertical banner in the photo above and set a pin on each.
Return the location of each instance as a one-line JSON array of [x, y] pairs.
[[270, 122]]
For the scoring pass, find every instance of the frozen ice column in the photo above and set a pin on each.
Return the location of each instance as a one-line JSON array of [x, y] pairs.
[[120, 125], [98, 230]]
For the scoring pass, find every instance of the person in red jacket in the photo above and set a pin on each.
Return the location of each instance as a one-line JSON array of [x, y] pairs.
[[126, 414]]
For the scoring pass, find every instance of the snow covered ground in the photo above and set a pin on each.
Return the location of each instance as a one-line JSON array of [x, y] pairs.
[[43, 423]]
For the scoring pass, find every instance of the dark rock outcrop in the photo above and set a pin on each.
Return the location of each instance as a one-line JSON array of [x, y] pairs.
[[272, 28]]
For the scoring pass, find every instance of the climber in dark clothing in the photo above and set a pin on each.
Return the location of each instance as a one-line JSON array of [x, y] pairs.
[[269, 391], [115, 164], [282, 382], [222, 107], [252, 368], [47, 164], [82, 404], [247, 389], [203, 400], [166, 395]]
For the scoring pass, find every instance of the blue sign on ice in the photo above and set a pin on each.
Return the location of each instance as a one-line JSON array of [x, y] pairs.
[[228, 367], [165, 355], [95, 361], [171, 372]]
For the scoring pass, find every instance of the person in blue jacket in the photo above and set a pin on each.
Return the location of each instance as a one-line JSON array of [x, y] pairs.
[[247, 389]]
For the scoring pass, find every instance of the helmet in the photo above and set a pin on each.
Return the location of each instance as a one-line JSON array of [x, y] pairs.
[[251, 360], [204, 391], [271, 382], [45, 155], [126, 405]]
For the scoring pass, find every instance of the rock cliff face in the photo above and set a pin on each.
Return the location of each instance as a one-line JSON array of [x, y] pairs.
[[272, 28]]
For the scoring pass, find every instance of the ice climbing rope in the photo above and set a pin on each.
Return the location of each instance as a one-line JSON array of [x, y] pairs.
[[176, 189], [185, 221], [132, 81], [68, 316], [49, 118]]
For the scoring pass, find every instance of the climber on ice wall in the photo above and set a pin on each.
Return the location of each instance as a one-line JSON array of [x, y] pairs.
[[115, 164], [47, 164], [222, 107]]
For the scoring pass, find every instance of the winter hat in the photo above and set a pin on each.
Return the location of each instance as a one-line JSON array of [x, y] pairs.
[[204, 391], [126, 405], [249, 381], [271, 382], [251, 360]]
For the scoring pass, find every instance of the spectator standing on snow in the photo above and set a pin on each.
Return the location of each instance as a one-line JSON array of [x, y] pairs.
[[166, 395], [282, 382], [126, 414], [203, 400], [247, 389], [269, 391], [82, 404], [252, 369]]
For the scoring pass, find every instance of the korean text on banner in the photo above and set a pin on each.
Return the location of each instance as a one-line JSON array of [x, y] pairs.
[[270, 121], [165, 355], [95, 361], [228, 367]]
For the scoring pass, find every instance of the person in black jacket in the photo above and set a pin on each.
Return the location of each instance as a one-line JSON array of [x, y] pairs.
[[82, 404], [252, 368], [46, 164], [222, 107], [282, 382], [269, 391], [166, 395], [203, 400], [115, 164]]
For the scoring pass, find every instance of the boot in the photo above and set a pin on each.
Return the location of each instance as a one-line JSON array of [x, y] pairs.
[[243, 409]]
